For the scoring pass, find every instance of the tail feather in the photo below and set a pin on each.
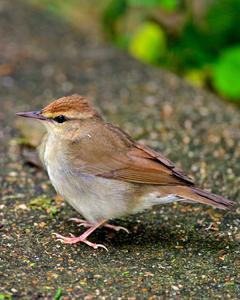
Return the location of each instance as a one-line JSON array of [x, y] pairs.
[[213, 199], [202, 196]]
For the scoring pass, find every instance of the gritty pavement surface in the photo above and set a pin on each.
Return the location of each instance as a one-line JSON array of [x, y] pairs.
[[178, 251]]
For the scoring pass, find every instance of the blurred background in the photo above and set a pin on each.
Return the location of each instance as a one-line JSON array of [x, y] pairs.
[[198, 40]]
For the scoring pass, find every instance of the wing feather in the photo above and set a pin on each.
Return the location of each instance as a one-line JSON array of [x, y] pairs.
[[117, 156]]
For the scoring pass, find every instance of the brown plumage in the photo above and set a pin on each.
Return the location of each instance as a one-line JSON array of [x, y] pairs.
[[74, 105], [102, 172]]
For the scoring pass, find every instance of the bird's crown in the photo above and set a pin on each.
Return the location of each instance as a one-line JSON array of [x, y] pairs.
[[74, 106]]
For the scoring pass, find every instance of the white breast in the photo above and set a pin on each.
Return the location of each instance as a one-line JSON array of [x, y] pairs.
[[94, 197]]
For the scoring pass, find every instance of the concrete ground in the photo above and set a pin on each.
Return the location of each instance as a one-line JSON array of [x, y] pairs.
[[178, 251]]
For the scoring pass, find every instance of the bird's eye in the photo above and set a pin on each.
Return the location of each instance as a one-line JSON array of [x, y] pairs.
[[60, 119]]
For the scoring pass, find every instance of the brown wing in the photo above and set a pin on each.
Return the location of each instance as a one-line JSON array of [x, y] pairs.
[[115, 155], [140, 165]]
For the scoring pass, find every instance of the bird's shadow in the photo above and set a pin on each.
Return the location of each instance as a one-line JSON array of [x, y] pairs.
[[159, 236], [154, 235]]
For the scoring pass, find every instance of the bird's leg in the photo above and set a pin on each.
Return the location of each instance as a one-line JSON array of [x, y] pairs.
[[85, 223], [83, 237]]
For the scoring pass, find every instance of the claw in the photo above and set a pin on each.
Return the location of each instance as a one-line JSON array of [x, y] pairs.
[[100, 246], [77, 220], [122, 228], [95, 246], [59, 236], [116, 228], [84, 225]]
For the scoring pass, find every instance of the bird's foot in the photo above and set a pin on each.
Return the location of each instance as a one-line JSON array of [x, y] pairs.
[[85, 223], [83, 237], [79, 239]]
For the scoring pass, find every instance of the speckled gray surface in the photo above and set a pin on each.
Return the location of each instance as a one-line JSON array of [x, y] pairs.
[[178, 251]]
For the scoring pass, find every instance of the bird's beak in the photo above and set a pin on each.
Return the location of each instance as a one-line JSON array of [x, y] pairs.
[[32, 114]]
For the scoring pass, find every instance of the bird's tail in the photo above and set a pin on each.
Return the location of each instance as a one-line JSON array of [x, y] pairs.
[[203, 196], [212, 199]]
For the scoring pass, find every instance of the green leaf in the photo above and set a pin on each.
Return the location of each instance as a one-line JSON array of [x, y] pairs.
[[58, 294], [226, 73], [5, 296], [149, 43]]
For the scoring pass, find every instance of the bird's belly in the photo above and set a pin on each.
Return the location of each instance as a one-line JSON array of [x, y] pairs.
[[93, 197]]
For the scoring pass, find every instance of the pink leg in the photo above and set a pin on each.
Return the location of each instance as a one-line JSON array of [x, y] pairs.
[[85, 223], [83, 237]]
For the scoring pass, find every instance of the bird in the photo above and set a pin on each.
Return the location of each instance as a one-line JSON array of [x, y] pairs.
[[102, 172]]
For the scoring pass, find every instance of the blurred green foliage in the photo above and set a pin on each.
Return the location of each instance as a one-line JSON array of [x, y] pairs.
[[226, 74], [149, 43], [199, 40]]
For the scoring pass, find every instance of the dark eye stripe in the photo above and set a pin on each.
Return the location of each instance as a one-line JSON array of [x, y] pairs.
[[60, 119]]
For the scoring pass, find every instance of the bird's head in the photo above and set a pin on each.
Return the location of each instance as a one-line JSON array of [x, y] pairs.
[[64, 115]]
